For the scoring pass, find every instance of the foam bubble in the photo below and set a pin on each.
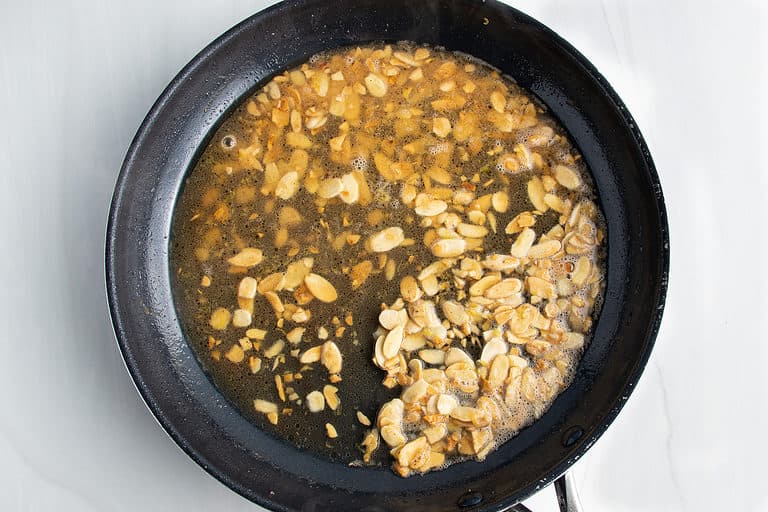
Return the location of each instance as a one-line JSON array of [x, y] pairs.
[[359, 163]]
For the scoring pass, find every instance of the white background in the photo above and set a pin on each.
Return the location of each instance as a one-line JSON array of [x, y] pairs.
[[76, 79]]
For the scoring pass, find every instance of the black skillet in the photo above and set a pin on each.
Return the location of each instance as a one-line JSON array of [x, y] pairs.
[[274, 474]]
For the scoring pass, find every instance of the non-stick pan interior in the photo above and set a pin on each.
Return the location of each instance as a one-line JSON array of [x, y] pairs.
[[275, 474]]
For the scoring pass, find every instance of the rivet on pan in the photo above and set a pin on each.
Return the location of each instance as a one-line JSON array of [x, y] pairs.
[[469, 499], [572, 435]]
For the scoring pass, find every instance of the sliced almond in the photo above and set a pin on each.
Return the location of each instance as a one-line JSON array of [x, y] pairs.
[[330, 357], [432, 356], [321, 288], [386, 239], [581, 271], [241, 318], [331, 396], [315, 401], [409, 289], [331, 187], [471, 230], [457, 355], [523, 243], [272, 283], [544, 249], [294, 335], [247, 288], [427, 206], [247, 258], [376, 85], [360, 272], [220, 319], [504, 288], [448, 247], [500, 201], [391, 318], [536, 194], [363, 419], [351, 191], [235, 354], [264, 406], [441, 126], [455, 312], [288, 185], [567, 177], [392, 342], [311, 355], [275, 349]]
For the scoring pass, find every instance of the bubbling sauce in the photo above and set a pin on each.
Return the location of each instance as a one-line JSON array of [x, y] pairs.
[[389, 252]]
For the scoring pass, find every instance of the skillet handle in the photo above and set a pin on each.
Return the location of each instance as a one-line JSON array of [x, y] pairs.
[[567, 497]]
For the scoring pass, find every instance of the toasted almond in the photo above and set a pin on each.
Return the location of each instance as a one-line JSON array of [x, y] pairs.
[[500, 201], [321, 288], [331, 187], [311, 355], [392, 342], [295, 274], [241, 318], [391, 318], [541, 288], [235, 354], [256, 334], [275, 349], [220, 319], [523, 243], [254, 364], [264, 406], [331, 396], [536, 194], [288, 185], [386, 239], [246, 258], [294, 335], [567, 177], [448, 247], [330, 357], [315, 401], [441, 126], [247, 288], [409, 289], [471, 230], [482, 285], [272, 283], [455, 312], [330, 431], [351, 192], [376, 85], [498, 102], [544, 249], [432, 356], [363, 419], [456, 355], [581, 271], [427, 206], [504, 288], [360, 272]]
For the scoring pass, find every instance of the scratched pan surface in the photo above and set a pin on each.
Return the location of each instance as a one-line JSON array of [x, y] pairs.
[[273, 473]]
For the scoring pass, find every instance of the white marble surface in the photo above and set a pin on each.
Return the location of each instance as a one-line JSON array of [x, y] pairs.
[[77, 77]]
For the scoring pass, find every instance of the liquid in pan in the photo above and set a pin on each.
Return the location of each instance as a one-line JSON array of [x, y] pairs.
[[389, 252]]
